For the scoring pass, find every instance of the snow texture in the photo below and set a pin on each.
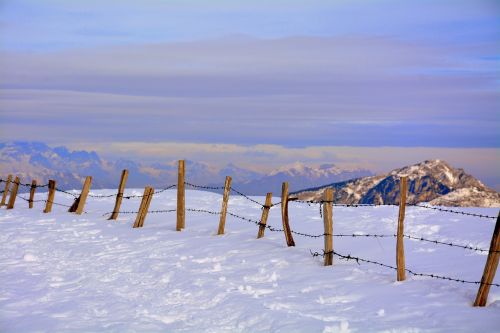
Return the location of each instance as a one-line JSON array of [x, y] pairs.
[[62, 272]]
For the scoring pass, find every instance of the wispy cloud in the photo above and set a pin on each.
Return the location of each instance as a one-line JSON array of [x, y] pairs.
[[292, 91]]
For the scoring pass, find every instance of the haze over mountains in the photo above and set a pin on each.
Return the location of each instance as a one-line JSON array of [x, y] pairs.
[[36, 160], [433, 181]]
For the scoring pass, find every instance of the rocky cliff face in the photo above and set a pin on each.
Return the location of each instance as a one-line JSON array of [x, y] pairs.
[[434, 182]]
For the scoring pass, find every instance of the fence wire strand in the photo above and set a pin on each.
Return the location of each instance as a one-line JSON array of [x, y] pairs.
[[435, 276]]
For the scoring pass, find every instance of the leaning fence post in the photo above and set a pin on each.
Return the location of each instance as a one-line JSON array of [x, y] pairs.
[[6, 190], [223, 211], [490, 268], [50, 198], [119, 196], [265, 214], [32, 193], [13, 194], [79, 203], [328, 224], [284, 214], [143, 209], [400, 251], [181, 204]]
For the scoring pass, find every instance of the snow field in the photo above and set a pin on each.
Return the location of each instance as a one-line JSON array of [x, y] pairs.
[[64, 272]]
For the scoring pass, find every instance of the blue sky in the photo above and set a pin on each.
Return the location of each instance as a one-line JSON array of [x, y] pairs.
[[283, 80]]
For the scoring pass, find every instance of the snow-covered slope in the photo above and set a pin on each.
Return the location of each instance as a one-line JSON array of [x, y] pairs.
[[67, 273], [433, 181]]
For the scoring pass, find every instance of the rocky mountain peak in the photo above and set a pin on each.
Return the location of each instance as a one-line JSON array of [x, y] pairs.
[[432, 181]]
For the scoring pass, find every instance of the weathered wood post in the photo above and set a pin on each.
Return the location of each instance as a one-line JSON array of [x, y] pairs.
[[181, 195], [265, 214], [400, 250], [328, 224], [490, 268], [143, 209], [223, 211], [32, 193], [13, 194], [79, 203], [119, 196], [6, 190], [50, 198], [284, 214]]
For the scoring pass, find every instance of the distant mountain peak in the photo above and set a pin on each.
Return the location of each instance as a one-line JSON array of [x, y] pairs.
[[433, 181]]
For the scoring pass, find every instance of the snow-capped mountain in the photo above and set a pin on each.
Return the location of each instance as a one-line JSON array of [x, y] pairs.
[[36, 160], [299, 176], [433, 181]]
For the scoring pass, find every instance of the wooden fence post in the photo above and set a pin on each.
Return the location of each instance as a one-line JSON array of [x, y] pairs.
[[32, 193], [119, 196], [490, 268], [143, 209], [50, 198], [6, 190], [284, 214], [328, 224], [13, 194], [223, 211], [265, 214], [79, 203], [400, 250], [181, 195]]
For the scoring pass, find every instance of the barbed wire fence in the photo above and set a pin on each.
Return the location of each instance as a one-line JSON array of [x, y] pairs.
[[270, 228]]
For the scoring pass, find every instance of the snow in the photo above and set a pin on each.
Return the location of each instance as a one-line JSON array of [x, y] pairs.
[[83, 273]]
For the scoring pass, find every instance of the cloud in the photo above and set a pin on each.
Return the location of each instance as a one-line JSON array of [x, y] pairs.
[[293, 91]]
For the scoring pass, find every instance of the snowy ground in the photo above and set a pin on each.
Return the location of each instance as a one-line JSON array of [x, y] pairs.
[[66, 273]]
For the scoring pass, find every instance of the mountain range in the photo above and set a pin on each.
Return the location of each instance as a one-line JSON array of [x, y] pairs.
[[36, 160], [433, 181]]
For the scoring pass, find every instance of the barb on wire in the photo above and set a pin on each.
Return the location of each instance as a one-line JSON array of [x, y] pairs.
[[204, 187], [203, 211], [434, 276]]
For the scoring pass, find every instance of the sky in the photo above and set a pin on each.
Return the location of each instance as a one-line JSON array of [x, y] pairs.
[[378, 83]]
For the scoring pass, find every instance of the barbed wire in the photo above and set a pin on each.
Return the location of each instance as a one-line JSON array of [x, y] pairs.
[[204, 186], [309, 202], [158, 211], [23, 184], [452, 211], [321, 202], [130, 196], [101, 196], [28, 200], [246, 197], [66, 192], [465, 247], [274, 229], [435, 276]]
